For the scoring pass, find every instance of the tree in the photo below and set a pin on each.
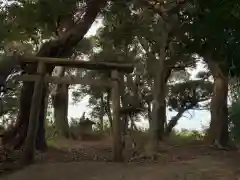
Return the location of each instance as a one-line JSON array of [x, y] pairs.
[[60, 93], [61, 46], [212, 31], [151, 42], [234, 122], [185, 96], [233, 116]]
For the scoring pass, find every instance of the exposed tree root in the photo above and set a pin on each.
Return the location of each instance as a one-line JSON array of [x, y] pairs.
[[217, 145], [146, 156], [230, 146]]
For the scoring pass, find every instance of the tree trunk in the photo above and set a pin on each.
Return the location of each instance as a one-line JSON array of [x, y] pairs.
[[59, 47], [160, 72], [125, 117], [218, 131], [133, 125], [61, 111], [155, 123], [101, 112], [149, 112], [41, 144], [60, 105], [162, 119], [162, 110], [159, 106], [108, 110]]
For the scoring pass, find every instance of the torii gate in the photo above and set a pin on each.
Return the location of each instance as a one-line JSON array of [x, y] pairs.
[[40, 78]]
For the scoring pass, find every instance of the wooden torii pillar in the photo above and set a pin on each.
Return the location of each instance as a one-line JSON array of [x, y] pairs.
[[40, 78], [117, 127]]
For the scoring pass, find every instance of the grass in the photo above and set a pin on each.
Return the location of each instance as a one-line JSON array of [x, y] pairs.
[[181, 138], [185, 137]]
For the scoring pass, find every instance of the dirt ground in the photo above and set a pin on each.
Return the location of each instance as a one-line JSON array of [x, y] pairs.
[[91, 161], [204, 168]]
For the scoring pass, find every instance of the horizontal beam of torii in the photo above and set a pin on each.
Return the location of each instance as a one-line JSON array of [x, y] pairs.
[[91, 65], [64, 80]]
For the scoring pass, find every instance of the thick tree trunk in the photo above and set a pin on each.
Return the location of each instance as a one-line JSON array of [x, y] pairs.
[[218, 131], [55, 48], [162, 111], [155, 123], [61, 111], [40, 141], [41, 144], [60, 105], [161, 98], [162, 120], [124, 103], [159, 106]]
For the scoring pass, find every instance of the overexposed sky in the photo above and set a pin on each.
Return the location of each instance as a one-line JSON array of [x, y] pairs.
[[194, 119]]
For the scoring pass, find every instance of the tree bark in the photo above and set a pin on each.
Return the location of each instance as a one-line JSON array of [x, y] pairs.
[[41, 143], [108, 110], [101, 112], [149, 112], [125, 120], [159, 106], [61, 111], [218, 131], [59, 47], [60, 105]]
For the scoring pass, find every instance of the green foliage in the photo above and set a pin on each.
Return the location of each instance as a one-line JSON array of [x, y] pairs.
[[185, 136], [34, 21], [189, 95], [11, 100], [234, 109], [213, 28], [234, 114], [132, 32]]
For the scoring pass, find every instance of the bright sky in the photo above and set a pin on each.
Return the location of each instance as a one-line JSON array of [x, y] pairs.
[[193, 120]]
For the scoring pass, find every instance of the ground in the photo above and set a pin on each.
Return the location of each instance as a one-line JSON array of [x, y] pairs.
[[203, 168], [91, 161]]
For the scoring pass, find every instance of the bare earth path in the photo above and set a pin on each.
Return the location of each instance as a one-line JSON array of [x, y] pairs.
[[88, 161], [201, 168]]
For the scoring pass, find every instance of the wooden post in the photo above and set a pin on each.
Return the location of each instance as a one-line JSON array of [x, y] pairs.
[[117, 130], [29, 148]]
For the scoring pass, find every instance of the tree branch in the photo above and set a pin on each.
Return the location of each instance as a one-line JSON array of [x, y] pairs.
[[62, 45], [173, 122]]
